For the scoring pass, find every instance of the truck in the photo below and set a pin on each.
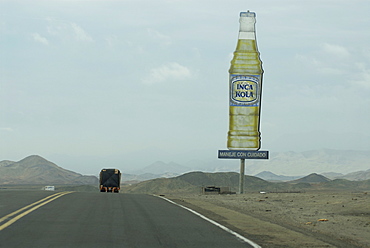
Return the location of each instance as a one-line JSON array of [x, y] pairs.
[[110, 180]]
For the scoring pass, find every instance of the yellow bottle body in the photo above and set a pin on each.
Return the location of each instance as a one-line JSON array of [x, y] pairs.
[[245, 97]]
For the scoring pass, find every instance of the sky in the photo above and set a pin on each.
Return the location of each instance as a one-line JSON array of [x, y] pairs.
[[86, 84]]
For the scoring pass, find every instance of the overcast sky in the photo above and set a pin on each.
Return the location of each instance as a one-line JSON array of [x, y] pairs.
[[86, 83]]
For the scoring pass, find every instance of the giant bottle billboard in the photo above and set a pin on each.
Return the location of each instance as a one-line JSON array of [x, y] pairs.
[[245, 88]]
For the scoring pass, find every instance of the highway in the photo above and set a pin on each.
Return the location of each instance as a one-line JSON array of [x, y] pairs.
[[83, 219]]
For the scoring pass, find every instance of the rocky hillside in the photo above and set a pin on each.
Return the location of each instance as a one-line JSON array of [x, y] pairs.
[[193, 182], [318, 161], [285, 165], [356, 176], [312, 178], [269, 176], [37, 170]]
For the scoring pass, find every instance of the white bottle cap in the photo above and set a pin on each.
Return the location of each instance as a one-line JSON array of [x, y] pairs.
[[247, 21]]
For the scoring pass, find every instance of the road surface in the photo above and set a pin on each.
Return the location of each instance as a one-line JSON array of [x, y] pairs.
[[82, 219]]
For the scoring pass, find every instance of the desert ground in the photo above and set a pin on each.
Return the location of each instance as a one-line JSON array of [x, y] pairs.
[[308, 219]]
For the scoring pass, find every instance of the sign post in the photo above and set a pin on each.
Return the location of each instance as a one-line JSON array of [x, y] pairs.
[[242, 155], [241, 176]]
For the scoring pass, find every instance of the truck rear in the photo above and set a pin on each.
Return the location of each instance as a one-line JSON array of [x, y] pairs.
[[110, 180]]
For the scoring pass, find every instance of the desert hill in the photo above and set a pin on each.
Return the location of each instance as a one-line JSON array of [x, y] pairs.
[[162, 168], [304, 163], [192, 182], [269, 176], [344, 184], [312, 178], [37, 170], [353, 176], [356, 176], [6, 162], [290, 165]]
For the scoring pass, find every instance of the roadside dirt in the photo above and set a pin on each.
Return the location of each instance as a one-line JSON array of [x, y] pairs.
[[315, 219]]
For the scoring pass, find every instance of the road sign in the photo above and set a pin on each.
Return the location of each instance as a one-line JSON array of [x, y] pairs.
[[243, 154]]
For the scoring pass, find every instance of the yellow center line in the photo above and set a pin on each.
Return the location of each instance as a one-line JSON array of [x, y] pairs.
[[28, 206], [42, 203]]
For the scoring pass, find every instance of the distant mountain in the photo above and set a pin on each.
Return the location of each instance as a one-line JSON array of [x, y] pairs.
[[304, 163], [37, 170], [356, 176], [280, 163], [332, 175], [343, 184], [269, 176], [132, 178], [265, 175], [5, 163], [193, 181], [312, 178], [353, 176], [162, 168], [188, 183], [158, 169]]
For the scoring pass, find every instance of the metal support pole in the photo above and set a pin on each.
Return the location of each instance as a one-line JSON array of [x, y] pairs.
[[241, 178]]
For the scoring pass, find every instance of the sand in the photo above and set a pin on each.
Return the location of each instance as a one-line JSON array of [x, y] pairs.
[[310, 219]]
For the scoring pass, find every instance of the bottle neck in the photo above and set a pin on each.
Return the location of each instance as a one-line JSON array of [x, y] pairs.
[[247, 26]]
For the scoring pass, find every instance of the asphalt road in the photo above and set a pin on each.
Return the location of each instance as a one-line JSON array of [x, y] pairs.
[[82, 219]]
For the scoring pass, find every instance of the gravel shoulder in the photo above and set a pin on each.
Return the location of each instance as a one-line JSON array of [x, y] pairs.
[[311, 219]]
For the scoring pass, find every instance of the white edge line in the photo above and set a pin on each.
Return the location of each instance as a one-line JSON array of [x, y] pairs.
[[242, 238]]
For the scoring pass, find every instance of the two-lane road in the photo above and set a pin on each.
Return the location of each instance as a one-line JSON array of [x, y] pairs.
[[104, 220]]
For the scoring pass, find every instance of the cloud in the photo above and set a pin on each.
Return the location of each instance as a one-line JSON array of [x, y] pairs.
[[68, 31], [307, 59], [112, 40], [80, 34], [6, 129], [165, 72], [40, 39], [163, 39], [320, 65], [329, 59], [337, 50], [330, 70], [363, 80]]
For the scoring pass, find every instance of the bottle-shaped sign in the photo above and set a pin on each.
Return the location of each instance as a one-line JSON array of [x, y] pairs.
[[245, 88]]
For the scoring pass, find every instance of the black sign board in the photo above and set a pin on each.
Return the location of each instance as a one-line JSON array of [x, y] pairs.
[[243, 154]]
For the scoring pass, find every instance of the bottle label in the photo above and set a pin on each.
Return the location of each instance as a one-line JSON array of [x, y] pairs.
[[244, 90]]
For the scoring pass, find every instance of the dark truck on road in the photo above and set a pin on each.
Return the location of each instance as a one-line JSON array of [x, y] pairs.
[[110, 180]]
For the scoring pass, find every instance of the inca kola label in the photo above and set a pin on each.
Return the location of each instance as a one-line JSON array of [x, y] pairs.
[[244, 90]]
